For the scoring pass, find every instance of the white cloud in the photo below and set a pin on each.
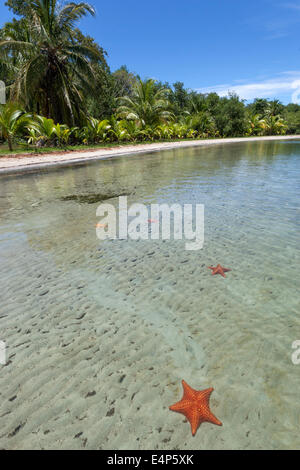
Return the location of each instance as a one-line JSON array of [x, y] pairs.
[[286, 84]]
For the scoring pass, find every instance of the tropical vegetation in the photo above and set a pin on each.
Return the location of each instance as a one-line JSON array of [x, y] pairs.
[[61, 92]]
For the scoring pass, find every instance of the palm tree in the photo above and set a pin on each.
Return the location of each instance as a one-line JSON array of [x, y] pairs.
[[52, 68], [275, 125], [147, 105], [13, 122], [96, 130], [197, 103], [257, 125], [275, 108], [203, 123]]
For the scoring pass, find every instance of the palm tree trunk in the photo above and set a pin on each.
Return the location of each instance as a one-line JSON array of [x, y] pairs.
[[9, 141]]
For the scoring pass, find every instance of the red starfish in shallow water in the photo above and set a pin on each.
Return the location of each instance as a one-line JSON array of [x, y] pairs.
[[219, 270], [194, 405]]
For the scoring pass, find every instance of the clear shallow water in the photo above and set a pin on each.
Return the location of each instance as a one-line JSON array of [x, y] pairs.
[[100, 334]]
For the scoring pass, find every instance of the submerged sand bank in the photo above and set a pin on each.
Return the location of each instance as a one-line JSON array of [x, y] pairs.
[[29, 162]]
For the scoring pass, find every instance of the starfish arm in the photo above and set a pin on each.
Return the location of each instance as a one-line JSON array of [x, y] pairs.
[[195, 420], [205, 394], [212, 419], [181, 406], [188, 392]]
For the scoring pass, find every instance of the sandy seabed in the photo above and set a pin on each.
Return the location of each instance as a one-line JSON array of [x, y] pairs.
[[99, 335]]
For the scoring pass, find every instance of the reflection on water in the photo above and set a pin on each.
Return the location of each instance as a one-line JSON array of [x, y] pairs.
[[100, 334]]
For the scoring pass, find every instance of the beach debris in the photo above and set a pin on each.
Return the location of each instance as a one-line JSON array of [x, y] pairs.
[[194, 405], [152, 221], [101, 225], [219, 270]]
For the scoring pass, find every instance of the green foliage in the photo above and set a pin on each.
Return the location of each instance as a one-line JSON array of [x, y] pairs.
[[231, 117], [275, 125], [52, 63], [256, 125], [60, 75], [203, 123], [291, 114], [43, 132], [258, 107], [95, 131], [270, 118], [14, 122], [118, 131], [148, 105], [179, 98], [123, 82], [62, 133], [18, 7]]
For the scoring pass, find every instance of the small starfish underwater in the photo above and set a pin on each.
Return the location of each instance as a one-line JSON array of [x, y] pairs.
[[194, 405], [219, 270]]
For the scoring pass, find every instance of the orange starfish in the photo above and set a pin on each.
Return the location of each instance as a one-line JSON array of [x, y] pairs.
[[219, 270], [194, 405]]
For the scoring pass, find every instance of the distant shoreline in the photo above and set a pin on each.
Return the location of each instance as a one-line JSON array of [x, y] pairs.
[[21, 163]]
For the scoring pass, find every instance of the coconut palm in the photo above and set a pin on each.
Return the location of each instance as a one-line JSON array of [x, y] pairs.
[[202, 123], [197, 103], [275, 125], [96, 131], [135, 133], [163, 131], [148, 105], [62, 133], [52, 68], [118, 131], [13, 122], [274, 108], [257, 125]]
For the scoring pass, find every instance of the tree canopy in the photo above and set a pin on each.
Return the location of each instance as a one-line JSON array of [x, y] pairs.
[[52, 69]]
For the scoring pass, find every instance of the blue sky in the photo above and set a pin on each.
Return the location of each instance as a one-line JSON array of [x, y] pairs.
[[252, 47]]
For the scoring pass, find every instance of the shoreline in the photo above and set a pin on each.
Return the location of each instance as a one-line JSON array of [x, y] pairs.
[[30, 163]]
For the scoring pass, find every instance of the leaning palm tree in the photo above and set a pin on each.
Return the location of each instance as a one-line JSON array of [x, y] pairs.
[[52, 68], [148, 104]]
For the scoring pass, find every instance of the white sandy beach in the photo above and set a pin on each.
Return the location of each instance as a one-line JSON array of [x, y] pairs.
[[30, 162]]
